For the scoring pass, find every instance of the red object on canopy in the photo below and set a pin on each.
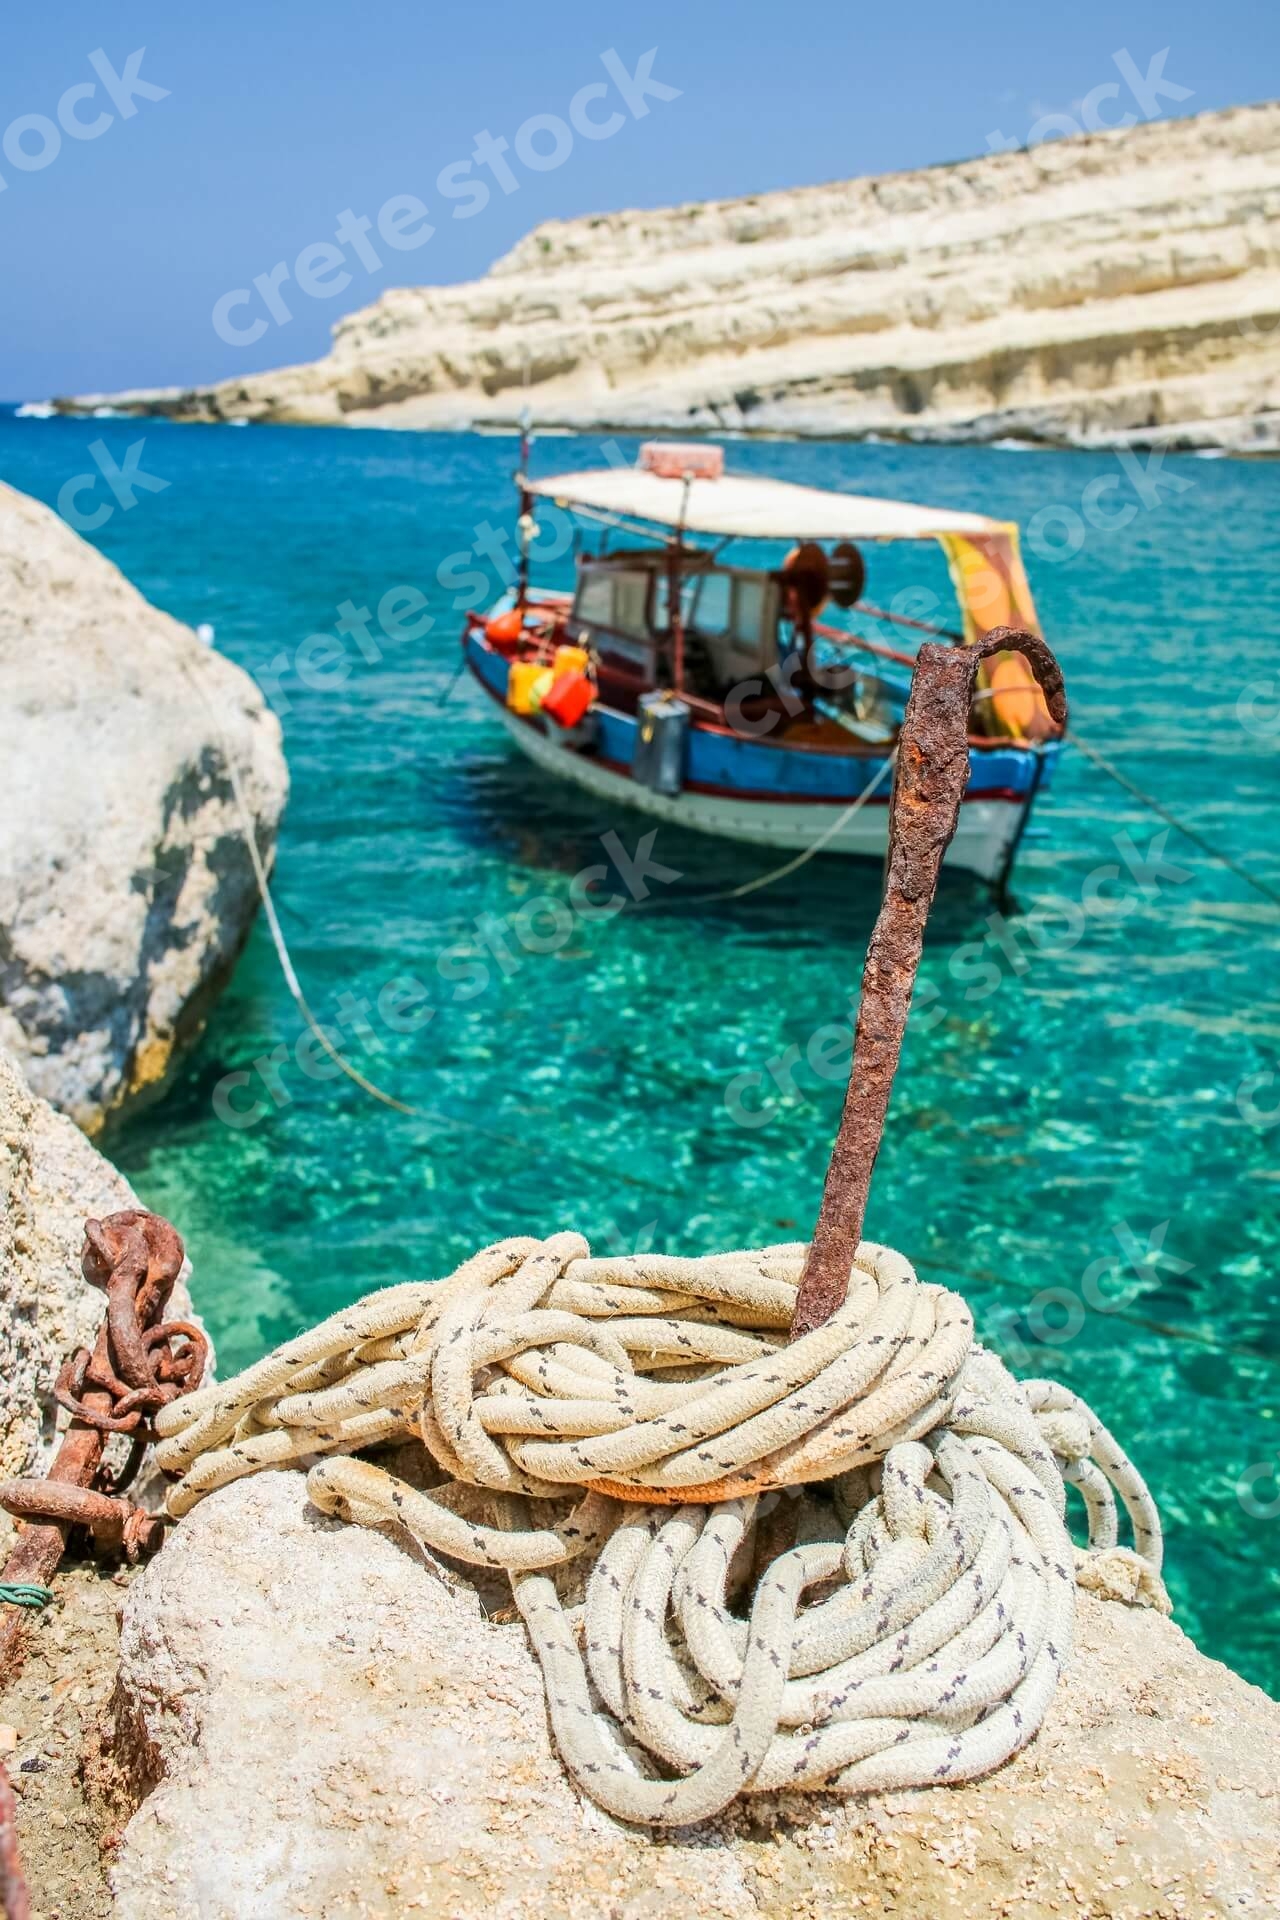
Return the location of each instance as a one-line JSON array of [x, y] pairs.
[[672, 460]]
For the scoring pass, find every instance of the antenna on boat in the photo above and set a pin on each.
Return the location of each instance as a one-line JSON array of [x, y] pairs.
[[526, 525]]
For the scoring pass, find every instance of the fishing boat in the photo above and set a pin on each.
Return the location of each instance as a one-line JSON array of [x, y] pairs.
[[687, 677]]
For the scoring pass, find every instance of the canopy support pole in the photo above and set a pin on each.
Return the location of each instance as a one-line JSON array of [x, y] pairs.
[[674, 598]]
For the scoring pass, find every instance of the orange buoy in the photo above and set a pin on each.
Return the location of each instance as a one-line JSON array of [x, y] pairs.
[[503, 630]]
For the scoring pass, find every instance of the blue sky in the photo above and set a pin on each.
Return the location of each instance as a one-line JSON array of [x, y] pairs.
[[280, 116]]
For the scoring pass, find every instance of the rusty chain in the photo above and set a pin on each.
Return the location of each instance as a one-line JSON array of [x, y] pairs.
[[139, 1363]]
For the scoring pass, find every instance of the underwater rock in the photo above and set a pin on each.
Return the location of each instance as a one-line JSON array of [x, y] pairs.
[[51, 1178], [1115, 288], [126, 888], [313, 1723]]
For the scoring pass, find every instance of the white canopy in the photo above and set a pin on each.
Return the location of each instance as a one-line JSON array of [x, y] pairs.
[[746, 508]]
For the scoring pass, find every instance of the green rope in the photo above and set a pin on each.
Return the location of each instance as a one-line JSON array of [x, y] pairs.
[[1193, 834], [24, 1594]]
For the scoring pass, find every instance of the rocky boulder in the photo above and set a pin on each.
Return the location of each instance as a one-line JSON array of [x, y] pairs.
[[320, 1726], [126, 888]]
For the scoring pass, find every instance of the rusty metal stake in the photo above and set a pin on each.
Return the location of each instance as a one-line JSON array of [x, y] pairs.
[[933, 769]]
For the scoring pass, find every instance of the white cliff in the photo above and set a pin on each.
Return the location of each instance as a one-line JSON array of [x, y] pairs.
[[1120, 287]]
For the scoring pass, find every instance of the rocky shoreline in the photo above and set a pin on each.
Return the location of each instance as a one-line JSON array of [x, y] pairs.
[[1116, 289], [285, 1716], [51, 1179], [380, 1746]]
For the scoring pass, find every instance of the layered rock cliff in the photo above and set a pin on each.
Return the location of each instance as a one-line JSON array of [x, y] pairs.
[[1119, 287], [126, 887]]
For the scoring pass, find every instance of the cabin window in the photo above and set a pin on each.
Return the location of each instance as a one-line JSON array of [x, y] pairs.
[[732, 612], [595, 599], [615, 600], [718, 605], [631, 605], [711, 609], [747, 622], [662, 600]]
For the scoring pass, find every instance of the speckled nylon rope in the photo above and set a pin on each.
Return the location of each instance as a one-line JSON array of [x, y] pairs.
[[841, 1562]]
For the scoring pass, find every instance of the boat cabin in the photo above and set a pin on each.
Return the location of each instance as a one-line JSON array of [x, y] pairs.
[[662, 611], [729, 623]]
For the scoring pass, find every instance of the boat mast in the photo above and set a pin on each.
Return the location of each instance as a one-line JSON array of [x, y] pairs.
[[673, 590], [525, 525]]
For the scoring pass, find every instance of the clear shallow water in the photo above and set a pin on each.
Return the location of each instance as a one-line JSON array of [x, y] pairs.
[[1085, 1116]]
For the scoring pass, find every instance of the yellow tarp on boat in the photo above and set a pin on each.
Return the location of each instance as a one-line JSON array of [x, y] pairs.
[[993, 591]]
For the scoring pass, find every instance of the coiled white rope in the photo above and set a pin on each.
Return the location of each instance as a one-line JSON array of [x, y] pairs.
[[841, 1562]]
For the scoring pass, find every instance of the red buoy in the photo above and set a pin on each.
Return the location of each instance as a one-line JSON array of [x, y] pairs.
[[568, 697]]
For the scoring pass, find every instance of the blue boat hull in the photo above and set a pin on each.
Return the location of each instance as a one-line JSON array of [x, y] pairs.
[[792, 797]]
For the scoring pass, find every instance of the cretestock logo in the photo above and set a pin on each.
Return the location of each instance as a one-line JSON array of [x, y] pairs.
[[33, 141], [1109, 892], [1058, 531], [1258, 1489], [403, 1005], [1258, 1099], [325, 661], [542, 143], [124, 483], [1127, 1274], [1149, 91]]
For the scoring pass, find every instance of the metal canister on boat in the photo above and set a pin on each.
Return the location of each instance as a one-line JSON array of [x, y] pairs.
[[660, 743]]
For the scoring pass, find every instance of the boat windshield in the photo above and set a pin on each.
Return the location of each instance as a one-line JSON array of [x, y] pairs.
[[721, 604]]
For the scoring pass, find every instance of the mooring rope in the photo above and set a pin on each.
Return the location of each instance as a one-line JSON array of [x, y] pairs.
[[837, 1562], [452, 1123], [1175, 820], [788, 867]]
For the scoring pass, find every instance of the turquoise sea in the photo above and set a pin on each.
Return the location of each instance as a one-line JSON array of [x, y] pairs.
[[1085, 1135]]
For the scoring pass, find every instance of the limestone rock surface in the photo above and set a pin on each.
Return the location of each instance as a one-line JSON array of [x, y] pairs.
[[322, 1728], [126, 888], [51, 1178], [1117, 288]]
